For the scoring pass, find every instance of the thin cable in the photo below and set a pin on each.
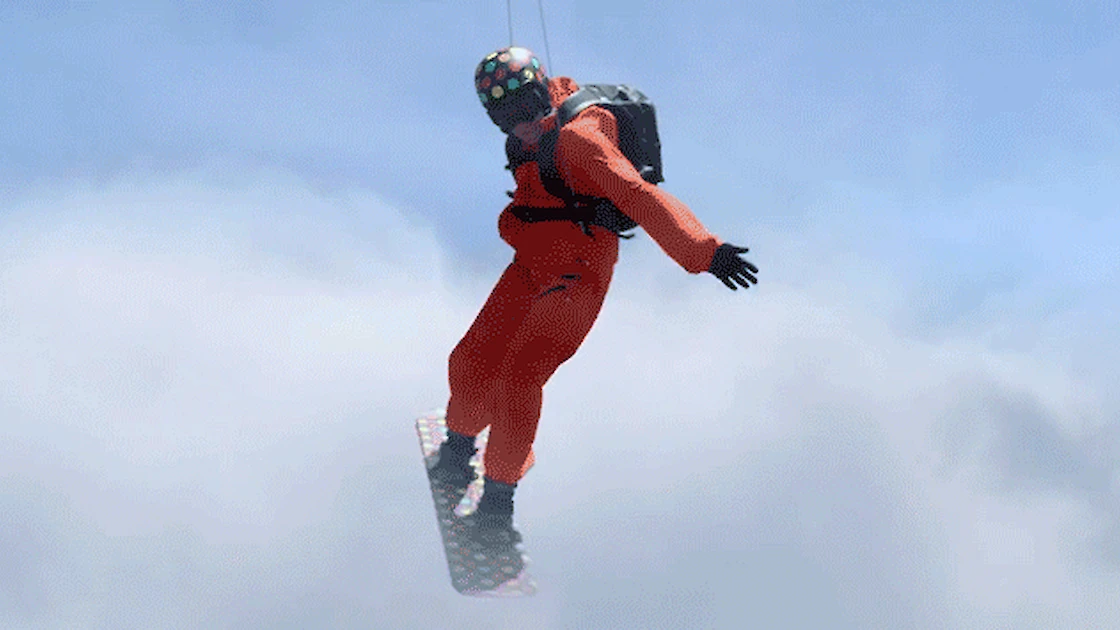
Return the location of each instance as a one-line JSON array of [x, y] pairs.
[[509, 19], [547, 52]]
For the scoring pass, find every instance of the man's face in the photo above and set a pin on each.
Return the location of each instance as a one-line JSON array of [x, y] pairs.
[[530, 132], [523, 109]]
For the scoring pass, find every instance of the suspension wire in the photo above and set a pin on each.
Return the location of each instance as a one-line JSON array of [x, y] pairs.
[[544, 30], [547, 52]]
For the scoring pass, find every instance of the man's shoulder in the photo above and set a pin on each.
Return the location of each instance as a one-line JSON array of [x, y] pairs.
[[593, 124], [560, 88]]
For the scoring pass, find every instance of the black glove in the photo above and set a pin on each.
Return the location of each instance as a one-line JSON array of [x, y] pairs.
[[727, 266]]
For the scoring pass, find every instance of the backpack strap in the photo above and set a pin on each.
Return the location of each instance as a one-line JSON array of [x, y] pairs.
[[546, 159], [516, 154], [576, 103], [550, 173]]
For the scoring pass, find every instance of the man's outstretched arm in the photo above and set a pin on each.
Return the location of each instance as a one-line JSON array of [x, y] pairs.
[[591, 164]]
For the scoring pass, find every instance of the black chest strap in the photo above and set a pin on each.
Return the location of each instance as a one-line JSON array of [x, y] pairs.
[[581, 209]]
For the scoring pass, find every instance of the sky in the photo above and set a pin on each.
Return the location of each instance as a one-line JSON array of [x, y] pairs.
[[238, 241]]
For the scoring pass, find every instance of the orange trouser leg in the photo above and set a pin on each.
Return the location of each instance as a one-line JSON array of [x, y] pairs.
[[525, 331], [476, 361]]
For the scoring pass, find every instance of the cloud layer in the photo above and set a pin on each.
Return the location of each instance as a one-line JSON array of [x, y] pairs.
[[207, 386]]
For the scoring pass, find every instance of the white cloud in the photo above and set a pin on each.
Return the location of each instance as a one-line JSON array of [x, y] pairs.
[[207, 385]]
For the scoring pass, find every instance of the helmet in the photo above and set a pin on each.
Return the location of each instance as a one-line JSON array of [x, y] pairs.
[[512, 85]]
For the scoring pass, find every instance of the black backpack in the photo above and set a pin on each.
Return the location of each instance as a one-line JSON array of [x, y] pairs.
[[637, 139]]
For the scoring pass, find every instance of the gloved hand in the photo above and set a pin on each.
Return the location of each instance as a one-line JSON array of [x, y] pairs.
[[727, 266]]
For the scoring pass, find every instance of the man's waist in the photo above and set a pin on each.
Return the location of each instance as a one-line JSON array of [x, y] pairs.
[[602, 213], [533, 214]]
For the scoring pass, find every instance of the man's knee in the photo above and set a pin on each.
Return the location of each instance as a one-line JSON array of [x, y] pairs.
[[531, 375]]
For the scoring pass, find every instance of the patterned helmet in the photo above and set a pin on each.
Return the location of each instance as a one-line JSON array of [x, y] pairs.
[[513, 86], [506, 71]]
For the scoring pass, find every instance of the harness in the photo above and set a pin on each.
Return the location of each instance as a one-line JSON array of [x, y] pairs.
[[638, 140]]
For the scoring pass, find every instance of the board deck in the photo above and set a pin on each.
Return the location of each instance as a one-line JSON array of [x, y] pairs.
[[474, 572]]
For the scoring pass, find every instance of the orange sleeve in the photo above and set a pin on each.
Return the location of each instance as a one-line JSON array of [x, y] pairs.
[[591, 163]]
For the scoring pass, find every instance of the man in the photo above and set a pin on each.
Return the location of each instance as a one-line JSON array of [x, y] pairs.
[[548, 298]]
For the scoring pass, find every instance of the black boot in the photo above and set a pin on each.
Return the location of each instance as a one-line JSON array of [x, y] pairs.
[[493, 519], [452, 465]]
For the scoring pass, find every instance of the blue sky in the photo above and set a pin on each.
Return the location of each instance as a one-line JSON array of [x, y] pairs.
[[238, 240], [846, 119]]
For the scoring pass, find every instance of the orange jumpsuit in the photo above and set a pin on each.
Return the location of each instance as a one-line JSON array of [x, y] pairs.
[[548, 298]]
